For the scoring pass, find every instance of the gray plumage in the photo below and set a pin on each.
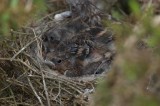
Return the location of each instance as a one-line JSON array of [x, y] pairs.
[[77, 47]]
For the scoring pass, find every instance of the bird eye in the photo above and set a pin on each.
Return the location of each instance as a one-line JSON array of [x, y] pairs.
[[73, 8], [56, 61], [59, 61], [51, 38]]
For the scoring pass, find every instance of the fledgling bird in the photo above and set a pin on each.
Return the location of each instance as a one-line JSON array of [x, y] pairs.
[[80, 46]]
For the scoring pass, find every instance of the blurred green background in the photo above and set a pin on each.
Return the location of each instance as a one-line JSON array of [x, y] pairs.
[[16, 13], [135, 77]]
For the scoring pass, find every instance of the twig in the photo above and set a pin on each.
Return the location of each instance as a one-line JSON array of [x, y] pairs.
[[39, 99], [9, 85], [22, 33], [59, 91], [18, 60], [13, 97], [22, 49], [44, 84], [45, 89]]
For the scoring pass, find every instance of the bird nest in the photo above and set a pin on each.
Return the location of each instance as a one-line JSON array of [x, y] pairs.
[[29, 63]]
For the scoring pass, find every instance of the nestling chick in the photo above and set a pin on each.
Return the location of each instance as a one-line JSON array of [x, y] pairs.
[[81, 46]]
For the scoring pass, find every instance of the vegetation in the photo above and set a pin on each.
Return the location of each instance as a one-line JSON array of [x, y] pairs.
[[15, 13], [134, 77]]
